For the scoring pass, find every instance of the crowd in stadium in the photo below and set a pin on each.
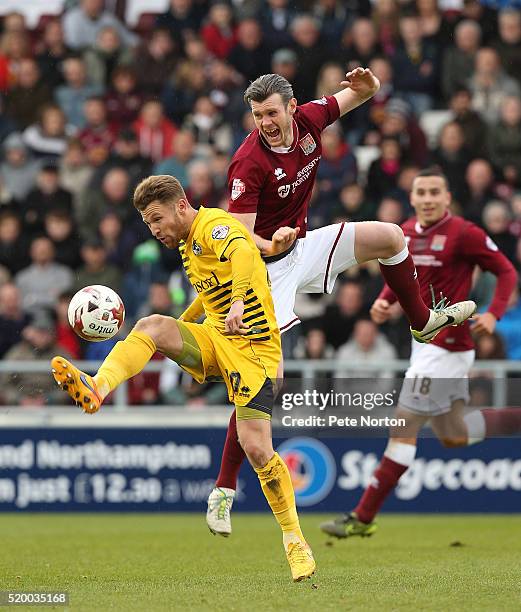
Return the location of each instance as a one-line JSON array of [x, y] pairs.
[[91, 104]]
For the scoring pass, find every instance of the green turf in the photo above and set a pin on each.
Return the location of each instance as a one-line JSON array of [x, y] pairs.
[[171, 562]]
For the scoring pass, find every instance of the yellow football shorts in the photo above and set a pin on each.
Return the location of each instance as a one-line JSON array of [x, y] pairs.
[[243, 364]]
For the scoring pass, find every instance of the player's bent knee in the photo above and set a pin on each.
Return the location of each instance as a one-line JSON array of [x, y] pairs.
[[395, 236], [453, 442], [258, 455], [164, 332]]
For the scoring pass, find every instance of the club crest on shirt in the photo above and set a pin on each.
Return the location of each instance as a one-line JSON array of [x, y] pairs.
[[197, 248], [238, 187], [307, 144], [220, 232], [283, 190], [438, 242]]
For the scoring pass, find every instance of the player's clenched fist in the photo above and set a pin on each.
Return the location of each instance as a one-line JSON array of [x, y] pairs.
[[233, 323], [283, 238], [380, 311]]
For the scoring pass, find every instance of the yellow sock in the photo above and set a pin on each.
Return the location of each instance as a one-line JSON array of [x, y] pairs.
[[278, 489], [125, 360]]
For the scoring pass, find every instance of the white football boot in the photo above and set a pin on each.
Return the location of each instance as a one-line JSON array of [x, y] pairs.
[[443, 316], [218, 518]]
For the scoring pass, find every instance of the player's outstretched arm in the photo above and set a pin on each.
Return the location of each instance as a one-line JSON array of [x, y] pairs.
[[248, 220], [359, 86], [242, 259], [193, 311]]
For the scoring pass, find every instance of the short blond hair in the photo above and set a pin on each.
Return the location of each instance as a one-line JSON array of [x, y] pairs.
[[162, 188]]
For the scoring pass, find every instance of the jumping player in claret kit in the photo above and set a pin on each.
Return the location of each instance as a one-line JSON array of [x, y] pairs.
[[446, 249], [239, 340], [270, 181]]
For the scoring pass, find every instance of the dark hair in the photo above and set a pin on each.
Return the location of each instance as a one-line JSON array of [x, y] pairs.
[[433, 171], [162, 188], [267, 85]]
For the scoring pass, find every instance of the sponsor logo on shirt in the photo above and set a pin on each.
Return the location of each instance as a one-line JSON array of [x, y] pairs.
[[307, 144], [220, 232], [196, 248], [238, 187], [283, 190], [203, 285], [279, 173], [438, 242]]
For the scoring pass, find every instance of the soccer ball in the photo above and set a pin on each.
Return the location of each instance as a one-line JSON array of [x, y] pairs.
[[96, 313]]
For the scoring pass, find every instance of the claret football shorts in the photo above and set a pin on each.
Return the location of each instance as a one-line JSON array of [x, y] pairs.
[[244, 365], [311, 267], [435, 378]]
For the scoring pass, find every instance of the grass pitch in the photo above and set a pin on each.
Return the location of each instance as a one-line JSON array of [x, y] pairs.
[[171, 562]]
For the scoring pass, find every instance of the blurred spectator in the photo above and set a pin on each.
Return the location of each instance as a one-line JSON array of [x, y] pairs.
[[489, 346], [340, 317], [96, 270], [113, 196], [416, 66], [398, 122], [219, 32], [390, 210], [38, 342], [496, 222], [98, 135], [51, 51], [489, 85], [123, 99], [361, 43], [105, 56], [183, 19], [43, 280], [479, 180], [118, 240], [46, 195], [14, 48], [184, 152], [201, 190], [434, 27], [385, 16], [207, 125], [354, 206], [48, 137], [75, 92], [509, 327], [459, 59], [504, 140], [17, 171], [332, 16], [367, 346], [24, 100], [125, 154], [82, 24], [453, 157], [7, 125], [157, 60], [182, 90], [508, 45], [155, 132], [477, 11], [14, 247], [285, 63], [74, 171], [275, 18], [14, 22], [314, 346], [66, 339], [312, 52], [12, 317], [60, 228], [474, 128], [225, 89], [250, 55], [383, 172]]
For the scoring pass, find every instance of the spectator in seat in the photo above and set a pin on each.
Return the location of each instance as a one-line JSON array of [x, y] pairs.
[[361, 43], [59, 226], [155, 132], [82, 24], [459, 59], [105, 56], [250, 56], [123, 99], [508, 45], [497, 218], [158, 58], [118, 240], [275, 19], [48, 137], [98, 135], [504, 139], [201, 189], [14, 246], [489, 85], [184, 153], [51, 52], [210, 130], [340, 317], [95, 269], [43, 280], [474, 128], [219, 33], [183, 19], [75, 92], [479, 180], [74, 172], [13, 319], [18, 170], [383, 172], [38, 342], [24, 101]]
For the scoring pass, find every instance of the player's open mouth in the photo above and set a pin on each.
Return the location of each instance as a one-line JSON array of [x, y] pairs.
[[272, 134]]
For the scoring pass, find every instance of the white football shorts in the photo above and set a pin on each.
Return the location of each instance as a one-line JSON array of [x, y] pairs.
[[436, 377], [311, 267]]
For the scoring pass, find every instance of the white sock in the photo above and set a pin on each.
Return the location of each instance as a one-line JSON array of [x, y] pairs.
[[476, 427], [396, 259], [400, 453]]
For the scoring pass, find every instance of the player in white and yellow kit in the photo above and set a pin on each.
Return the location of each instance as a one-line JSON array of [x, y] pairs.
[[238, 341]]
